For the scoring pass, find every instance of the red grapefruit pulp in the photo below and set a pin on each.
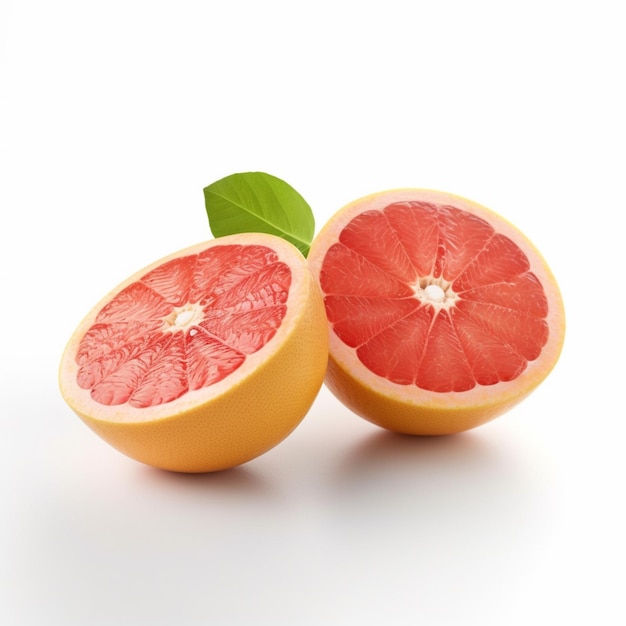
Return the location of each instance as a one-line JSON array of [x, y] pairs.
[[203, 360], [442, 314]]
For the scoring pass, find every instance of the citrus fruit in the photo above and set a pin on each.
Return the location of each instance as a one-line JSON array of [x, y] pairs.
[[442, 315], [204, 359]]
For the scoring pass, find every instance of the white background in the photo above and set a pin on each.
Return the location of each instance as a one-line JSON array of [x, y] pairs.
[[114, 116]]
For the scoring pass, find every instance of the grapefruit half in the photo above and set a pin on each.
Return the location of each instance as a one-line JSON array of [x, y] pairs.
[[442, 315], [203, 360]]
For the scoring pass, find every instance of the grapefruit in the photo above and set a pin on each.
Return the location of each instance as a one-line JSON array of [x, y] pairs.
[[442, 315], [203, 360]]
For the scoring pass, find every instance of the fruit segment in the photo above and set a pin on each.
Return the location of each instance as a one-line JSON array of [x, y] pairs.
[[431, 295], [184, 325]]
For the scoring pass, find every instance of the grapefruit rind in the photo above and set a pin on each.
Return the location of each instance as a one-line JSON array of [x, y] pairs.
[[409, 409], [236, 419]]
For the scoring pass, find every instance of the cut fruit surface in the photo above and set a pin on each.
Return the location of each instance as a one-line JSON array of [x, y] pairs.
[[203, 360], [442, 314]]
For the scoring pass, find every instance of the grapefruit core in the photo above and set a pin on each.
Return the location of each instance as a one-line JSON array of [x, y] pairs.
[[442, 314], [203, 360]]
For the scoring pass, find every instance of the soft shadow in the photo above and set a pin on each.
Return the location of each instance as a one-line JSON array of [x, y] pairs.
[[389, 452], [430, 483], [235, 483]]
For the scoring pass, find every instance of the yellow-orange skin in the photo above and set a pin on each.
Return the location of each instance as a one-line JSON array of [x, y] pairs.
[[406, 408], [240, 418]]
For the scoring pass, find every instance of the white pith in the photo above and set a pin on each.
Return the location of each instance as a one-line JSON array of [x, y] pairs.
[[183, 317], [436, 292]]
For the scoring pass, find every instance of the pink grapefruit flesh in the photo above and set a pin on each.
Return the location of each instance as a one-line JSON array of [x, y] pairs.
[[203, 360], [442, 314]]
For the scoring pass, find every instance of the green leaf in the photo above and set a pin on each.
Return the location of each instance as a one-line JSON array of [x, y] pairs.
[[259, 202]]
